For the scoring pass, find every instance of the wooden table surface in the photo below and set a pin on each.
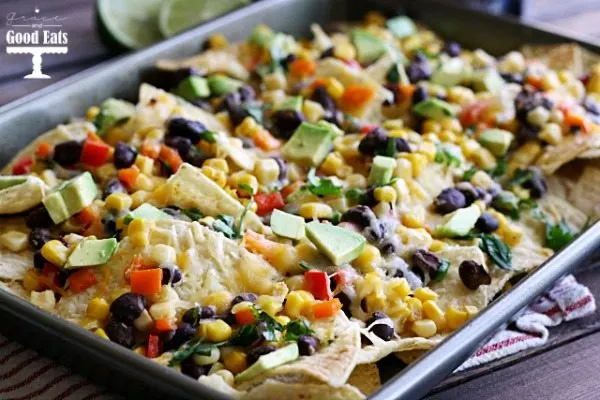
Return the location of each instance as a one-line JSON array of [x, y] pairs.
[[567, 367]]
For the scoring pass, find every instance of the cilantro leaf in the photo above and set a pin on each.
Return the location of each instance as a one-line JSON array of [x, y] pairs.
[[499, 170], [192, 213], [240, 228], [208, 136], [356, 195], [442, 271], [519, 177], [306, 266], [558, 235], [246, 188], [322, 186], [447, 157], [226, 225], [194, 346], [497, 250], [245, 336], [469, 174], [297, 328]]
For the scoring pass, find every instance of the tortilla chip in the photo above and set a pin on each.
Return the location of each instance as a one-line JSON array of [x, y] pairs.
[[332, 364], [409, 357], [567, 150], [380, 348], [14, 288], [365, 378], [217, 382], [14, 265], [586, 193], [568, 56], [557, 208], [273, 389], [210, 62]]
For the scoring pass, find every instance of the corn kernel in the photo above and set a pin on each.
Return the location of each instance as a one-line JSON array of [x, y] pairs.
[[428, 149], [235, 361], [275, 81], [437, 245], [432, 311], [447, 136], [44, 300], [92, 113], [368, 260], [431, 126], [418, 162], [295, 282], [482, 179], [356, 181], [416, 308], [471, 311], [416, 189], [144, 322], [382, 209], [298, 303], [412, 220], [398, 288], [455, 318], [550, 80], [461, 95], [31, 281], [315, 210], [248, 127], [215, 175], [374, 302], [216, 331], [345, 51], [386, 194], [221, 300], [97, 308], [527, 153], [393, 124], [312, 110], [145, 164], [334, 88], [217, 41], [538, 116], [551, 133], [118, 202], [512, 235], [332, 163], [484, 158], [55, 252], [164, 310], [404, 169], [269, 304], [14, 240], [266, 170], [282, 319], [217, 163], [144, 182], [138, 198], [424, 294], [425, 328]]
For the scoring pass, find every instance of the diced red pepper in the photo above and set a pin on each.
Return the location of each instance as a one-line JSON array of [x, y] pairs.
[[81, 280], [245, 316], [153, 349], [95, 153], [23, 165], [317, 282], [366, 128], [267, 202], [163, 325]]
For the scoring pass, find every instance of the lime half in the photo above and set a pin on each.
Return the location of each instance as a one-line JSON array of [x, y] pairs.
[[131, 23], [179, 15]]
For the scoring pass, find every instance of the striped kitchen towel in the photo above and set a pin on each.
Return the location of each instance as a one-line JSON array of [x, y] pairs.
[[25, 375]]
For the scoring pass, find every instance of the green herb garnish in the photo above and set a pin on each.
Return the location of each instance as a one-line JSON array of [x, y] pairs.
[[295, 329], [255, 111], [356, 195], [246, 188], [226, 225], [192, 213], [519, 177], [208, 136], [305, 266], [447, 157], [322, 186], [558, 235], [469, 174], [497, 250], [499, 170], [442, 271], [194, 346]]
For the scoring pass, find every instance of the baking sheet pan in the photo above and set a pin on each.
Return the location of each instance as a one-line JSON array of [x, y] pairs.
[[123, 371]]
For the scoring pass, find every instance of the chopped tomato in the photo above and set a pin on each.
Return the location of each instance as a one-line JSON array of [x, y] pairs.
[[163, 325], [171, 157], [356, 96], [303, 67], [81, 280], [326, 309], [95, 153], [267, 202], [317, 282], [153, 349], [473, 113], [146, 281], [44, 150], [52, 272], [366, 128], [88, 215], [245, 316], [23, 165], [129, 175]]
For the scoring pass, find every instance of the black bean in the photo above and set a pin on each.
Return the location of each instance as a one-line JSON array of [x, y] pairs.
[[119, 332], [247, 143], [256, 352], [487, 223], [374, 317], [38, 260], [449, 200], [388, 248], [419, 69], [167, 79], [67, 153], [591, 106], [39, 236], [186, 128], [513, 77], [246, 93], [536, 185], [203, 104], [383, 331], [321, 96], [290, 58], [232, 103], [453, 49], [473, 274], [207, 312], [38, 218], [361, 215], [469, 191], [402, 145], [365, 341], [327, 53], [195, 314], [528, 100], [286, 122], [114, 185], [171, 274], [173, 212], [283, 168], [307, 345], [127, 307], [346, 303], [335, 117], [419, 95], [182, 334], [243, 297], [373, 141], [527, 132], [109, 221], [124, 155], [191, 369], [396, 94], [426, 262]]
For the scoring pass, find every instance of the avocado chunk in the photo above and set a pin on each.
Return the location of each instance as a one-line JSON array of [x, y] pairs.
[[10, 181], [192, 87], [450, 73], [261, 35], [339, 244], [487, 80], [221, 85], [90, 252], [269, 361], [287, 225], [70, 197], [368, 46], [459, 223], [401, 26], [113, 112], [434, 108], [309, 144], [496, 140], [147, 212], [381, 170], [291, 103]]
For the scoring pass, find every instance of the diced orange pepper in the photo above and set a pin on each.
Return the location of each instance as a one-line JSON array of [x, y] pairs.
[[289, 189], [146, 281], [88, 215], [129, 175], [171, 157], [534, 81], [93, 137], [326, 309], [303, 67], [356, 96], [575, 119], [44, 149], [163, 325], [150, 149], [82, 280], [263, 139], [256, 243], [245, 316], [407, 91]]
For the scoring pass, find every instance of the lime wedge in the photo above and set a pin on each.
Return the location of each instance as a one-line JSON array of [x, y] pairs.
[[179, 15], [132, 23]]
